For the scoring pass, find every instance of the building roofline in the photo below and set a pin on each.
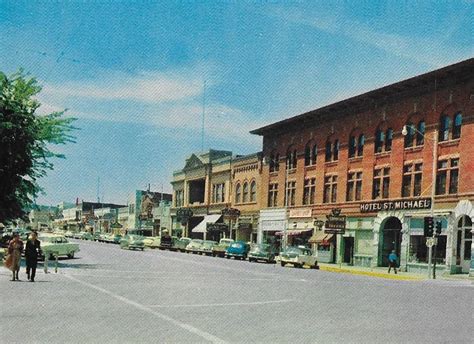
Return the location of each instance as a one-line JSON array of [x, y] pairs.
[[464, 68]]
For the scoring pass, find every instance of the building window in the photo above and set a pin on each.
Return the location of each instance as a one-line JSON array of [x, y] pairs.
[[335, 150], [310, 155], [388, 139], [379, 141], [290, 193], [409, 137], [360, 145], [457, 126], [381, 184], [356, 145], [238, 191], [218, 195], [354, 186], [412, 176], [444, 126], [253, 191], [383, 140], [330, 189], [273, 195], [179, 198], [309, 191], [274, 162], [328, 154], [420, 134], [448, 170], [291, 159], [352, 147], [245, 193]]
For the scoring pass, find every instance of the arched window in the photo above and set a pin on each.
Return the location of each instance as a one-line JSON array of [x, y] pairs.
[[314, 154], [245, 193], [420, 134], [291, 159], [253, 191], [444, 125], [457, 126], [360, 145], [388, 139], [352, 146], [410, 135], [307, 155], [237, 193], [335, 152], [328, 151], [379, 141]]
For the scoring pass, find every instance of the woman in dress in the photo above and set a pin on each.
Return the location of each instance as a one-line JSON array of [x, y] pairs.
[[15, 247]]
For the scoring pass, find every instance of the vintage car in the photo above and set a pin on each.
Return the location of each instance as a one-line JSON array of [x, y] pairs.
[[181, 243], [206, 247], [219, 249], [262, 252], [238, 249], [166, 242], [194, 246], [86, 236], [152, 242], [132, 242], [298, 256], [52, 245]]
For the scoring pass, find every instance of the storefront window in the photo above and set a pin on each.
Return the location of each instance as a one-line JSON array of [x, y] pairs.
[[419, 250]]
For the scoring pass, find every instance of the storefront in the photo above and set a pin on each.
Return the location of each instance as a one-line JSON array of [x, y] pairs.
[[300, 227], [271, 222], [246, 227], [323, 246]]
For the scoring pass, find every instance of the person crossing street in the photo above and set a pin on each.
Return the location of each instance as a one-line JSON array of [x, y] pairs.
[[32, 252]]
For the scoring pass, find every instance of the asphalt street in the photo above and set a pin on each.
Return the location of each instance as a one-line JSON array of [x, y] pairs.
[[109, 295]]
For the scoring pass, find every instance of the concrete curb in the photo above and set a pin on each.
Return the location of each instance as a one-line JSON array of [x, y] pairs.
[[399, 276]]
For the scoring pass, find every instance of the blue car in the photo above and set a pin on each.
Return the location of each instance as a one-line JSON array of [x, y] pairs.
[[238, 249]]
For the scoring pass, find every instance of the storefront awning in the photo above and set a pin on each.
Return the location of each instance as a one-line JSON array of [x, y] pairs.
[[327, 239], [293, 232], [317, 237], [202, 226]]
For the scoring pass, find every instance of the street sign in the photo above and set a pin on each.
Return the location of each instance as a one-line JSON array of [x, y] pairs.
[[430, 242], [183, 215], [230, 213]]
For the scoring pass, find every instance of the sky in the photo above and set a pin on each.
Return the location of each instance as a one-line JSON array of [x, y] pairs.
[[138, 75]]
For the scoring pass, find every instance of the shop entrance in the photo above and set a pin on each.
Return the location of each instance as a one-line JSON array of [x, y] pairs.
[[348, 250], [463, 244], [390, 239]]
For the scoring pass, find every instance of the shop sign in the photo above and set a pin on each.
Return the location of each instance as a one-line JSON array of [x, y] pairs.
[[335, 223], [216, 226], [245, 226], [230, 213], [409, 204], [273, 225], [300, 213]]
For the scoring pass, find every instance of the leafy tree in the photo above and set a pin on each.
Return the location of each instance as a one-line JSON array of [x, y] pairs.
[[25, 141]]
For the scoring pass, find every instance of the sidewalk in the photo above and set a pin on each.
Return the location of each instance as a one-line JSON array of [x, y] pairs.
[[381, 272]]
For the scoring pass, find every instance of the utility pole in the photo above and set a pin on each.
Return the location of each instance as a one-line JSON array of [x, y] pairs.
[[203, 116]]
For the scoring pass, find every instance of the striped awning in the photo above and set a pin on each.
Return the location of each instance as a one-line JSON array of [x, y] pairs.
[[292, 232], [317, 237]]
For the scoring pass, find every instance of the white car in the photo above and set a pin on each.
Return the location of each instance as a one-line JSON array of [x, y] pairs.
[[57, 245], [298, 256]]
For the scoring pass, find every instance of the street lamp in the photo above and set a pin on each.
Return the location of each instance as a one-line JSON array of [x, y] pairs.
[[434, 140]]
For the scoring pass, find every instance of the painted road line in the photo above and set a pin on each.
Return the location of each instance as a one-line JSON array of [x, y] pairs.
[[256, 303], [205, 335]]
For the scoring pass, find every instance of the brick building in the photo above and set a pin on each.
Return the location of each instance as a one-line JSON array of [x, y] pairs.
[[372, 157]]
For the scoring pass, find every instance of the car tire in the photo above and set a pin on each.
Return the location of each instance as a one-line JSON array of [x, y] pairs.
[[71, 255], [282, 264]]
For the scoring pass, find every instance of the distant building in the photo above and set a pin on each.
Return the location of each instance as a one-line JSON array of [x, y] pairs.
[[147, 211]]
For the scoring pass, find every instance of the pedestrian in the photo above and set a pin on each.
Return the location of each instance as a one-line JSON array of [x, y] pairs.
[[32, 252], [15, 247], [392, 261]]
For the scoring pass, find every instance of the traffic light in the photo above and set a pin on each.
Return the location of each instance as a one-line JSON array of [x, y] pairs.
[[428, 226], [438, 227]]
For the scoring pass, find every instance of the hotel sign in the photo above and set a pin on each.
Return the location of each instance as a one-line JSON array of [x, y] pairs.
[[408, 204]]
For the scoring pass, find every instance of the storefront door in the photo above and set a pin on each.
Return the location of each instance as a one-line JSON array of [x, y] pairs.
[[348, 250], [463, 244], [390, 239]]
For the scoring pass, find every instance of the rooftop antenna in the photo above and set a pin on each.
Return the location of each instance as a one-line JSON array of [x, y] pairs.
[[203, 116]]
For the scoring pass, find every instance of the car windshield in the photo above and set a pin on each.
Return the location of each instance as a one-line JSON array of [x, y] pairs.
[[293, 250], [227, 241], [236, 245]]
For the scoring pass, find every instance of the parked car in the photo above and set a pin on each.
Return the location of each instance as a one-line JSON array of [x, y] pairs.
[[181, 243], [166, 242], [238, 249], [86, 236], [152, 242], [298, 256], [206, 247], [194, 246], [262, 252], [57, 244], [77, 235], [132, 242], [68, 234], [219, 249]]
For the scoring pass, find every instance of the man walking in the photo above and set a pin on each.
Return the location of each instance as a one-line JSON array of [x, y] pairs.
[[32, 251], [392, 261]]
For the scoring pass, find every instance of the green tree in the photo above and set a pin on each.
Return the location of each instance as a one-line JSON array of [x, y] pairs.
[[25, 141]]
